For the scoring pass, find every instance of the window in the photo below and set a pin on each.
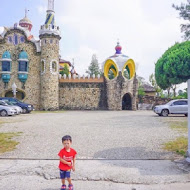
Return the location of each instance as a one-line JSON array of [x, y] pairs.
[[23, 66], [42, 67], [10, 40], [6, 66], [176, 103], [54, 66], [15, 39], [183, 102], [180, 103], [22, 39], [51, 41]]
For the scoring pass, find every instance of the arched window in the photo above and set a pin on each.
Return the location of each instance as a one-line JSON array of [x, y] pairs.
[[15, 40], [22, 39], [6, 61], [23, 62], [53, 67], [42, 67], [10, 40], [6, 66], [23, 66]]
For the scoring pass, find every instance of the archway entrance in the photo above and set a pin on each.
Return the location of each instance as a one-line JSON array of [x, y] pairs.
[[19, 95], [126, 102]]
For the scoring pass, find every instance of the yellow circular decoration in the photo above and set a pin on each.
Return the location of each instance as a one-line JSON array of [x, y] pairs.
[[131, 65], [107, 66]]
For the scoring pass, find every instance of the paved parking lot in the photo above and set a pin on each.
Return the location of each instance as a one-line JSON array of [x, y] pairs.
[[96, 134], [129, 142]]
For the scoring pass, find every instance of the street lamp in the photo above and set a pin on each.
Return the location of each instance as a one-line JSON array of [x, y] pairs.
[[188, 93], [14, 87]]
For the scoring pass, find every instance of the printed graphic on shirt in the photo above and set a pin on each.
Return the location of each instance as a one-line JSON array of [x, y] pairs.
[[68, 158]]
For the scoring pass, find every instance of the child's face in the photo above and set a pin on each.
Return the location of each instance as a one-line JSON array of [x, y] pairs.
[[67, 144]]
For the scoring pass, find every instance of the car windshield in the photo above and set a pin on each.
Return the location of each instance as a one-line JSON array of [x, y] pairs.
[[9, 103], [3, 103], [17, 101]]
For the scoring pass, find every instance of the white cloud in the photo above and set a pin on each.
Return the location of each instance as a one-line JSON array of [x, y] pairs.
[[145, 30]]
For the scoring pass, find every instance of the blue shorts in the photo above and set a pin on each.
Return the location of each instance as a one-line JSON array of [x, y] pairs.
[[65, 174]]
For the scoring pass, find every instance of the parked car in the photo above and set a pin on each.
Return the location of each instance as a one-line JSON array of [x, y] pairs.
[[6, 110], [17, 108], [179, 106], [26, 108]]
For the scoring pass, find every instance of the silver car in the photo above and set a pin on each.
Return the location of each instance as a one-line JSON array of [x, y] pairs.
[[6, 110], [179, 106], [7, 103]]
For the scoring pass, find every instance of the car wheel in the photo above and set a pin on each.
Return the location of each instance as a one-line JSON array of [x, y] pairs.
[[186, 115], [165, 113], [24, 110], [3, 113]]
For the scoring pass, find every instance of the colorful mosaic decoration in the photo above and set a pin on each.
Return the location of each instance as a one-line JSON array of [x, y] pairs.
[[50, 20]]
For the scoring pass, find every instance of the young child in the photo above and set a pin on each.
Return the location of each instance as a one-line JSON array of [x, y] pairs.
[[67, 161]]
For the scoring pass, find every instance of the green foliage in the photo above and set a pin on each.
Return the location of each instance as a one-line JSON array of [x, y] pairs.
[[184, 12], [154, 84], [141, 91], [174, 65], [94, 67], [65, 71], [111, 74]]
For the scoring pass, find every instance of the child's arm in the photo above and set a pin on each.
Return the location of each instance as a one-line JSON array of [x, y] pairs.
[[65, 162], [74, 159]]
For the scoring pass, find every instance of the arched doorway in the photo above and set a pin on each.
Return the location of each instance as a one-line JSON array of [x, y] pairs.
[[126, 102], [19, 95]]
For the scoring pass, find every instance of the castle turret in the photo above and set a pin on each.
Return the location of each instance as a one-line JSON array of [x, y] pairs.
[[50, 36], [25, 22]]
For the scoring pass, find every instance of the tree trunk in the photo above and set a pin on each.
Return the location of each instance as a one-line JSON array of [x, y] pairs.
[[188, 92], [168, 90]]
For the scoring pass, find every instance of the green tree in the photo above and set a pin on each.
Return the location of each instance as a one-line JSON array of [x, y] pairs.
[[154, 84], [184, 12], [173, 67], [94, 67], [65, 71], [141, 91], [110, 74]]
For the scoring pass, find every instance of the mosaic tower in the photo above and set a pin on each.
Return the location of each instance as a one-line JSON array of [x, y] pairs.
[[50, 36]]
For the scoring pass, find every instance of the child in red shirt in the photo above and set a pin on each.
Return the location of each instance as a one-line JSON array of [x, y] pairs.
[[67, 161]]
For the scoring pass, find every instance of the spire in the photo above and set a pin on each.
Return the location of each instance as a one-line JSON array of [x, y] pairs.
[[118, 48], [26, 11], [49, 26], [50, 18], [51, 5]]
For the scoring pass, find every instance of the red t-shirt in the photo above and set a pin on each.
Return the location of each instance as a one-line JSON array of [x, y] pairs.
[[67, 156]]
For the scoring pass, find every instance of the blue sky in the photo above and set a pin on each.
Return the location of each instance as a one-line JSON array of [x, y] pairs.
[[145, 28]]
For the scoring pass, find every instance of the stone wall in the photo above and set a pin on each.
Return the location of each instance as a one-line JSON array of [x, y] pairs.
[[32, 85], [82, 96], [117, 88], [148, 102]]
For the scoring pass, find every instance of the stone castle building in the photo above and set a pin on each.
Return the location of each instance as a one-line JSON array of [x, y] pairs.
[[33, 65]]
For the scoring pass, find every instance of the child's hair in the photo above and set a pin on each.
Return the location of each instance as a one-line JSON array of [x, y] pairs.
[[66, 138]]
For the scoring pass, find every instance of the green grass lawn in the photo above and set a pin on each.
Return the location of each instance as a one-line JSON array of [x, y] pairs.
[[6, 142], [179, 145]]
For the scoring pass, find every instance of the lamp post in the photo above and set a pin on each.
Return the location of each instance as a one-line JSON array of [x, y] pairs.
[[14, 87], [188, 93]]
